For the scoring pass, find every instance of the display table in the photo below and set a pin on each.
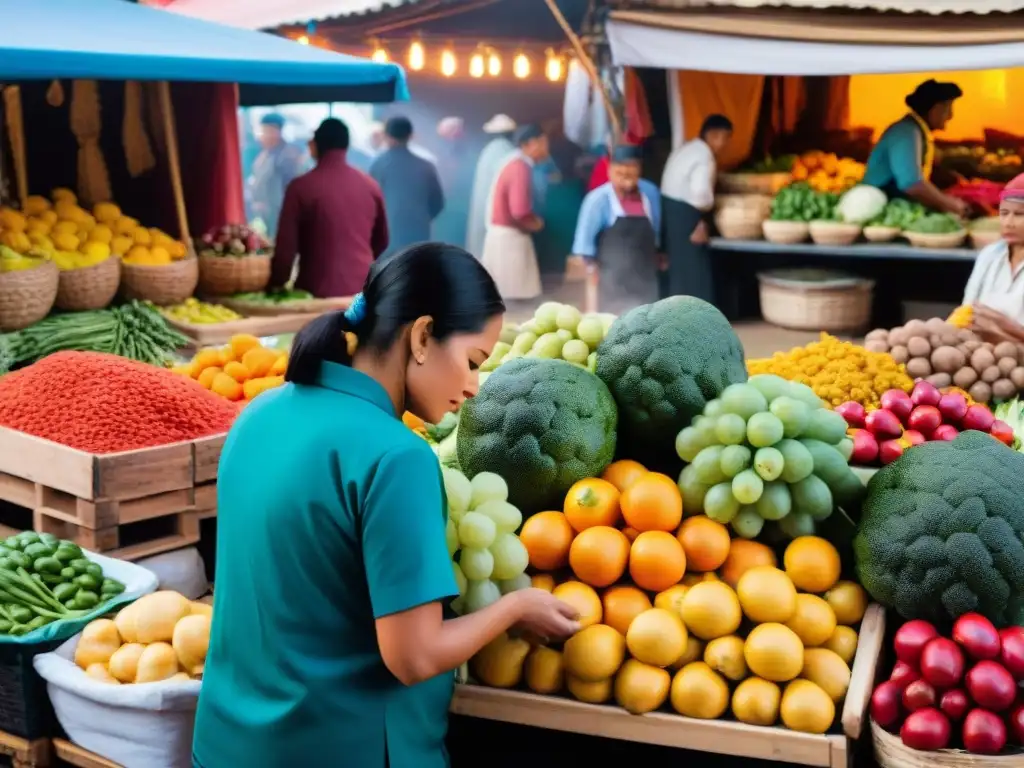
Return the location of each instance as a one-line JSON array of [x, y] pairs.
[[894, 250]]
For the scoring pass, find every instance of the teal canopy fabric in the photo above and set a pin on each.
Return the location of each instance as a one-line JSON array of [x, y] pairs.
[[119, 40]]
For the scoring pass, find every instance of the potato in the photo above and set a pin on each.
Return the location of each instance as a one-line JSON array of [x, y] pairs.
[[980, 392], [940, 379], [1005, 365], [918, 347], [876, 345], [966, 376], [898, 336], [935, 340], [919, 367], [949, 339], [990, 374], [915, 327], [937, 325], [966, 334], [1006, 349], [971, 345], [899, 354], [948, 360], [1017, 377], [878, 333], [1003, 389], [982, 358]]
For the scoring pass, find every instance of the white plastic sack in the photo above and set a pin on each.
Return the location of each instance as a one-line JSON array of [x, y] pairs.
[[181, 571], [137, 726]]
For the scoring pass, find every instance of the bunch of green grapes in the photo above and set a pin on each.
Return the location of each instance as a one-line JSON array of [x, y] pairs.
[[487, 557], [766, 450], [556, 331]]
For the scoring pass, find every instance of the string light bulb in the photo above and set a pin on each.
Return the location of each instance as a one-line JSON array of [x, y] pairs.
[[477, 65], [379, 55], [553, 68], [417, 56], [449, 64], [493, 64], [521, 66], [303, 40]]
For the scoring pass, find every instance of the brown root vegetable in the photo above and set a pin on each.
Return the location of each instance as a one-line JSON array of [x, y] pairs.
[[973, 344], [980, 392], [898, 336], [949, 339], [966, 334], [1017, 377], [1006, 349], [899, 354], [982, 358], [916, 327], [1005, 365], [948, 360], [990, 374], [935, 340], [878, 333], [1003, 389], [937, 325], [940, 379], [918, 347], [965, 378], [876, 345], [919, 367]]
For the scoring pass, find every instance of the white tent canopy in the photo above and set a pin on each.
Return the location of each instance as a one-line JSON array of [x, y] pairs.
[[267, 14]]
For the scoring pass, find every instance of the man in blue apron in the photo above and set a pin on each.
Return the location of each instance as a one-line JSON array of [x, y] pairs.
[[618, 232]]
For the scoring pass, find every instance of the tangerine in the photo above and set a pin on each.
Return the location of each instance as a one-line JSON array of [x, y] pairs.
[[623, 473], [652, 503], [672, 598], [543, 581], [583, 598], [705, 542], [744, 555], [812, 563], [598, 555], [547, 537], [622, 604], [656, 561], [631, 533], [591, 502], [849, 601]]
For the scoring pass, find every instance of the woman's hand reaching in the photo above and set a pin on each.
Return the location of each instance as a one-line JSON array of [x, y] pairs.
[[993, 326], [545, 616]]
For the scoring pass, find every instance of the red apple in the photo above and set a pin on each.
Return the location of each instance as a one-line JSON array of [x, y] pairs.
[[926, 730], [883, 424], [1017, 724], [865, 448], [945, 432], [1002, 432], [954, 704], [853, 412], [911, 639], [925, 393], [919, 695], [1011, 653], [984, 733], [889, 451], [991, 686], [899, 402], [953, 406], [903, 674], [978, 417], [913, 437], [886, 704], [925, 418], [977, 636], [942, 663]]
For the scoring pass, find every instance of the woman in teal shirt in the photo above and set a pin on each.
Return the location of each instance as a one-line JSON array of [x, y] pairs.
[[330, 645]]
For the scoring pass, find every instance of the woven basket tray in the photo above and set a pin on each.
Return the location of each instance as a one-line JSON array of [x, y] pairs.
[[927, 240], [981, 238], [227, 275], [785, 232], [834, 233], [257, 309], [739, 217], [878, 234], [27, 296], [89, 288], [752, 183], [891, 752], [163, 285], [815, 300]]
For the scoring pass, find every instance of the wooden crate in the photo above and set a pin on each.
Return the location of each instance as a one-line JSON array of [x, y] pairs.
[[90, 498], [220, 333], [72, 754], [25, 753], [670, 730]]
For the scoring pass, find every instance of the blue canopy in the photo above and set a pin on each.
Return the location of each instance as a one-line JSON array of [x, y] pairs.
[[119, 40]]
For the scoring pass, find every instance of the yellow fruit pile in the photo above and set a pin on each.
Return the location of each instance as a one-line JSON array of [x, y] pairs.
[[239, 371], [12, 261], [825, 172], [161, 636], [837, 371], [82, 238], [197, 312], [961, 317]]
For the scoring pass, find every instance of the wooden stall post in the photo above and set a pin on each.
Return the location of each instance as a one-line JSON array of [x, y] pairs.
[[173, 160]]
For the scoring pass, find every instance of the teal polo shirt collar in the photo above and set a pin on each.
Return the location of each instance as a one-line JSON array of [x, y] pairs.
[[342, 378]]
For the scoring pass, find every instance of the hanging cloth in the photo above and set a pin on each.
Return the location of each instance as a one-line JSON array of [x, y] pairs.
[[16, 131], [93, 179], [928, 160], [138, 152], [639, 125]]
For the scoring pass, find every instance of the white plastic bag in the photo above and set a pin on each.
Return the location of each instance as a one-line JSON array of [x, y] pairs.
[[181, 571], [137, 726]]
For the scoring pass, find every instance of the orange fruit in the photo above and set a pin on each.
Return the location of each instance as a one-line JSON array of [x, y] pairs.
[[744, 555], [583, 598], [598, 555], [812, 563], [631, 533], [656, 561], [547, 537], [652, 503], [543, 581], [672, 598], [705, 542], [591, 502], [849, 601], [622, 604], [623, 473]]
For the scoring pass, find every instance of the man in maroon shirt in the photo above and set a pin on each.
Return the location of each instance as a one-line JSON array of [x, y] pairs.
[[332, 220]]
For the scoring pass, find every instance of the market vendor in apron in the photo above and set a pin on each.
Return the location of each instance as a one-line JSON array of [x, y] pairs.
[[688, 197], [902, 161], [330, 644], [995, 289], [617, 233], [508, 252]]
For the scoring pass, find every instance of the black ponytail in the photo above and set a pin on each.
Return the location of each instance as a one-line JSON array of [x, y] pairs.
[[444, 282]]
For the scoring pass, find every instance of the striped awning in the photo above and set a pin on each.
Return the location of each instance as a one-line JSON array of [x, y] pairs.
[[933, 7]]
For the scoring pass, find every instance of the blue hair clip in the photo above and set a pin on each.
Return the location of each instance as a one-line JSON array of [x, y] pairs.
[[357, 310]]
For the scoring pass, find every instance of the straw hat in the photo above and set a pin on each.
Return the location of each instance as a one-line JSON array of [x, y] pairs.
[[500, 124]]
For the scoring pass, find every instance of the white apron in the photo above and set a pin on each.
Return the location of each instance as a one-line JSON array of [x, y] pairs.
[[508, 253]]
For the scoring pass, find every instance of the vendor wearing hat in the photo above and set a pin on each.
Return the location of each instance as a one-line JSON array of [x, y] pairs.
[[995, 288], [276, 165], [493, 157], [617, 234], [508, 251], [902, 160]]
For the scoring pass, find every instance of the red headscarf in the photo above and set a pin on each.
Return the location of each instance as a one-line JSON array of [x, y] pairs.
[[1014, 190]]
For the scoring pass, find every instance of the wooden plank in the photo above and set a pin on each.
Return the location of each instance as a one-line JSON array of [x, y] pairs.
[[206, 497], [25, 753], [134, 474], [82, 758], [186, 535], [206, 457], [870, 639], [842, 755], [48, 463], [716, 736], [17, 490], [219, 333]]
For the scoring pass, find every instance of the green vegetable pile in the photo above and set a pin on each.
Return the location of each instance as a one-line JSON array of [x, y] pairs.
[[942, 532], [278, 296], [135, 330], [899, 213], [936, 224], [799, 202], [45, 579], [781, 164]]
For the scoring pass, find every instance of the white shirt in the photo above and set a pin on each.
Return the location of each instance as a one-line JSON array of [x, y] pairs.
[[993, 284], [689, 175]]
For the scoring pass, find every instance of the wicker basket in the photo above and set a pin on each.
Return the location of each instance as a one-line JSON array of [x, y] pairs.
[[739, 217], [891, 752], [228, 275], [983, 238], [89, 288], [879, 234], [815, 300], [834, 233], [927, 240], [752, 183], [163, 285], [785, 232], [27, 295]]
